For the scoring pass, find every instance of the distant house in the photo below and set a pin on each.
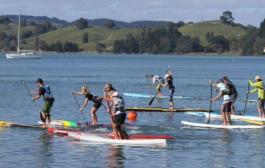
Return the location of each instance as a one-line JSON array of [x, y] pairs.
[[264, 50]]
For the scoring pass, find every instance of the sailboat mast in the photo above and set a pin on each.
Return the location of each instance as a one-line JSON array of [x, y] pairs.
[[18, 35]]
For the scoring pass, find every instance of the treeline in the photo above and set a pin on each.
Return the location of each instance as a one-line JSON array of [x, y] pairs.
[[59, 47], [168, 40]]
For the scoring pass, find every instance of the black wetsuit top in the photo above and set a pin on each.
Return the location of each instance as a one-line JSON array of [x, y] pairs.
[[170, 83], [93, 98]]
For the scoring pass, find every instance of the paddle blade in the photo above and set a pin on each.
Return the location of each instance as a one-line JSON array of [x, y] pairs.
[[151, 101]]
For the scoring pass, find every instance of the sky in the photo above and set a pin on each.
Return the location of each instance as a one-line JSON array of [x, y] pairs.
[[247, 12]]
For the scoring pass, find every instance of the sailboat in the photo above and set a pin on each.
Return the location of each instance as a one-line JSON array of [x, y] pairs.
[[22, 54]]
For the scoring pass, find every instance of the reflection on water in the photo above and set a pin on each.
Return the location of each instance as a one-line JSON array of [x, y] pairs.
[[45, 150], [115, 157]]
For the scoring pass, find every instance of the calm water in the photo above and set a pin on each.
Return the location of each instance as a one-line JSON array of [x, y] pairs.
[[67, 72]]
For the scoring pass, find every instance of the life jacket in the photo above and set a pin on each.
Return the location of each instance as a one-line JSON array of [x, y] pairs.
[[48, 94], [118, 104]]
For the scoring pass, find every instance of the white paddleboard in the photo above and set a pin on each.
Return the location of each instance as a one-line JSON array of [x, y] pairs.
[[140, 95], [107, 140], [203, 125], [235, 117]]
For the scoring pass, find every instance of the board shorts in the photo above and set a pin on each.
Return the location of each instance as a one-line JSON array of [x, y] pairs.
[[47, 107], [260, 103], [97, 104], [119, 119], [171, 93], [227, 107]]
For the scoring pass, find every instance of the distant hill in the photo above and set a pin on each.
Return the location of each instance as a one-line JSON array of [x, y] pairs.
[[121, 24], [99, 34], [218, 28], [38, 19]]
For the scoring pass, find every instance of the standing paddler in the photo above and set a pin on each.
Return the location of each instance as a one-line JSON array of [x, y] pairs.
[[227, 104], [45, 92], [232, 92], [90, 97], [258, 87], [116, 108], [169, 83]]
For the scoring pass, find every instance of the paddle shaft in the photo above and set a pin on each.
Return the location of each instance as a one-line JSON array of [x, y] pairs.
[[245, 108], [29, 92], [210, 108], [153, 98], [78, 105]]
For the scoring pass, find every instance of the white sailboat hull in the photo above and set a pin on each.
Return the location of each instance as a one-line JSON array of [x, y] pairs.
[[30, 55]]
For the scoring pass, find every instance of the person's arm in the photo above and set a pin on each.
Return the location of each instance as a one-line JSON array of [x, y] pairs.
[[84, 105], [36, 97], [253, 85], [217, 97], [40, 92]]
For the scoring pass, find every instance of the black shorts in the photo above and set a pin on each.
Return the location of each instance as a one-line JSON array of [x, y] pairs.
[[260, 103], [119, 119], [226, 107], [171, 93], [97, 104]]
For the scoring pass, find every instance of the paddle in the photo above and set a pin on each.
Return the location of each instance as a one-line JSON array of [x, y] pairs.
[[210, 108], [153, 98], [246, 102], [29, 92], [78, 105]]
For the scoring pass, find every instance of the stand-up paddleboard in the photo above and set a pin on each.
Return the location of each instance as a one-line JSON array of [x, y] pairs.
[[97, 138], [203, 125], [237, 117], [77, 124], [65, 132], [159, 109], [11, 124], [140, 95]]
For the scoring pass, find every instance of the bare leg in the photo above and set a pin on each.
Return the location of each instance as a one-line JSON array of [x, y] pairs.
[[94, 115], [224, 118], [262, 112]]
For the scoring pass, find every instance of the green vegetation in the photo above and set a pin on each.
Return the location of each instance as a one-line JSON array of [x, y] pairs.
[[217, 27], [220, 36], [96, 35]]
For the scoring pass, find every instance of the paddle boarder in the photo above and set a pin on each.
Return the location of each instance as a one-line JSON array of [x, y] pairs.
[[90, 97], [45, 92], [258, 87], [232, 92], [227, 104], [169, 82], [116, 108]]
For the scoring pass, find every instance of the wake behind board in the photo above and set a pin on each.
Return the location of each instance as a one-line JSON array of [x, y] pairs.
[[140, 95], [203, 125], [96, 138], [159, 109]]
